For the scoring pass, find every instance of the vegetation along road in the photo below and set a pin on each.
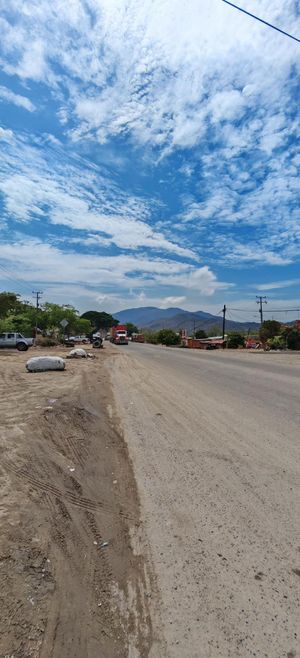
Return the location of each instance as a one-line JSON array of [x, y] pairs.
[[214, 440]]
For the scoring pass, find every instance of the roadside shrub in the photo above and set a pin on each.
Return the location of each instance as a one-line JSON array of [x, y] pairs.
[[47, 341], [151, 337], [276, 343], [168, 337], [293, 339], [269, 329], [235, 340]]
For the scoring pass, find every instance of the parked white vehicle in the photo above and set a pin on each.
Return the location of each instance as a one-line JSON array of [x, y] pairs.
[[10, 339], [79, 339]]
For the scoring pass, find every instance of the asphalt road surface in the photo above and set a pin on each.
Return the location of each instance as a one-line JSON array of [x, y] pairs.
[[214, 440]]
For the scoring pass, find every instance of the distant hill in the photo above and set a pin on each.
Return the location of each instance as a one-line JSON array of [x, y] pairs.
[[152, 318]]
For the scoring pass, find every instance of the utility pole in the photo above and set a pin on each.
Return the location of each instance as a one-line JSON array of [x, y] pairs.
[[261, 300], [194, 328], [224, 321], [37, 294]]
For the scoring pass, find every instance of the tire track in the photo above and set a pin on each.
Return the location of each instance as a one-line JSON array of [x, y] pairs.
[[78, 501]]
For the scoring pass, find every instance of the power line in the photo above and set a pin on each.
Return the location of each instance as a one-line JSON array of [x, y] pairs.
[[270, 310], [262, 21], [283, 310], [14, 279]]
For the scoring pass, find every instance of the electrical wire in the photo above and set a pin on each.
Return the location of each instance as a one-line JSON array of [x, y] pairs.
[[17, 282], [268, 310], [278, 29]]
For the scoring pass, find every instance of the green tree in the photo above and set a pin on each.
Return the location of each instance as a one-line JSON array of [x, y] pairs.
[[235, 340], [200, 333], [168, 337], [131, 329], [9, 303], [81, 326], [269, 329], [6, 325], [100, 320]]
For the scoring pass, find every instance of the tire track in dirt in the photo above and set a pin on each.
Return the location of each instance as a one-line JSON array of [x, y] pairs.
[[66, 560], [81, 502]]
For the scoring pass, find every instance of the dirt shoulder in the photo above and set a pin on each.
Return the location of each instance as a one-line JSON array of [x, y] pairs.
[[71, 584]]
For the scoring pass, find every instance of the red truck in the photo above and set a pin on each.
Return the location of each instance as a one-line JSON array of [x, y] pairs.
[[138, 338], [119, 335]]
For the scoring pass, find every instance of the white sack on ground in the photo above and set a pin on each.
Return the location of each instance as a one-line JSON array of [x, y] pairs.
[[77, 353], [42, 363]]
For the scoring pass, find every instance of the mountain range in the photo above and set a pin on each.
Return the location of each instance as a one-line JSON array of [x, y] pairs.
[[152, 318]]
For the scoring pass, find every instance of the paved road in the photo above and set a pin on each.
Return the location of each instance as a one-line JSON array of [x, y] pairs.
[[215, 443]]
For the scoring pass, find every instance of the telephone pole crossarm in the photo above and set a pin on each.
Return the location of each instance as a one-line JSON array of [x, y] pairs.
[[261, 300]]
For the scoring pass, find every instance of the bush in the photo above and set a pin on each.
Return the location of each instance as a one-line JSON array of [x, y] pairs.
[[293, 339], [269, 329], [47, 341], [151, 337], [235, 340], [276, 343], [168, 337]]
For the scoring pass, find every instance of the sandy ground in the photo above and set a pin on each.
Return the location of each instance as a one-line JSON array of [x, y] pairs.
[[157, 518], [214, 440], [73, 582]]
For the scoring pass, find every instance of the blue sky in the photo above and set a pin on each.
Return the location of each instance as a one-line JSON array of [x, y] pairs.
[[150, 153]]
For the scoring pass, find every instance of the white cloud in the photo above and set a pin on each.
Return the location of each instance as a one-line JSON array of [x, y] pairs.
[[276, 285], [159, 69], [34, 194], [201, 279], [6, 135], [21, 101], [172, 301], [46, 264], [242, 253], [166, 75], [227, 105]]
